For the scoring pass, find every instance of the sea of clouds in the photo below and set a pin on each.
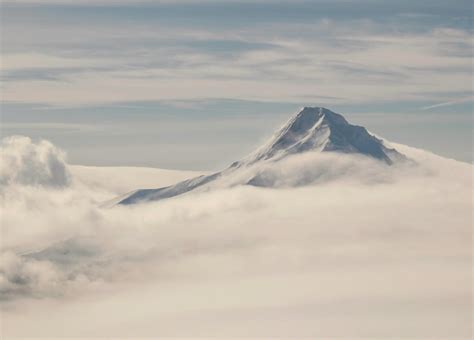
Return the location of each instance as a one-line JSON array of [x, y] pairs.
[[344, 246]]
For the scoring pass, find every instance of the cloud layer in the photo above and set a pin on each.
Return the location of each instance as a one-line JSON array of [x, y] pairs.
[[281, 51], [385, 251]]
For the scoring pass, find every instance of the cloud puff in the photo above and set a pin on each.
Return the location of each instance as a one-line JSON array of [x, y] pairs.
[[311, 168], [25, 163], [22, 276], [365, 239]]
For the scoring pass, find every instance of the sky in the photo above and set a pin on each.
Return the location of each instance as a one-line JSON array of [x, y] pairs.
[[194, 85], [197, 84]]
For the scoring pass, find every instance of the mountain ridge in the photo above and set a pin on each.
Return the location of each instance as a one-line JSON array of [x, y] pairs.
[[320, 129], [312, 129]]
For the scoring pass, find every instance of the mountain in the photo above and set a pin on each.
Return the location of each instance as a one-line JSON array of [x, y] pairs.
[[313, 129], [319, 129]]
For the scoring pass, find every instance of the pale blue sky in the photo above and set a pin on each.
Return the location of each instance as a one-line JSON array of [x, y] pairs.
[[197, 84]]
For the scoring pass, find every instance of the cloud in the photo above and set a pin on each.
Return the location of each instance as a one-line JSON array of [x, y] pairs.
[[270, 59], [451, 102], [399, 236], [21, 276], [26, 163], [315, 168]]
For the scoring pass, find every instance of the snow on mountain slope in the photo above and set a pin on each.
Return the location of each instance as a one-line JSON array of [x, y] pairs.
[[120, 179], [312, 130], [319, 129]]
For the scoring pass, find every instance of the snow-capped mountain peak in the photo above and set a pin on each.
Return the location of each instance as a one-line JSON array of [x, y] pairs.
[[320, 129], [314, 129], [306, 130]]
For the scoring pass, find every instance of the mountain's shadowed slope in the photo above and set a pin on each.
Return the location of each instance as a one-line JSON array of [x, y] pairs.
[[314, 129]]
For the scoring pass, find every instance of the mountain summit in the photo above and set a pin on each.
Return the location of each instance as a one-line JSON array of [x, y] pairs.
[[319, 129], [313, 129]]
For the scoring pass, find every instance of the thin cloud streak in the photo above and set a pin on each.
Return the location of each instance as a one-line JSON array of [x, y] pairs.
[[449, 103]]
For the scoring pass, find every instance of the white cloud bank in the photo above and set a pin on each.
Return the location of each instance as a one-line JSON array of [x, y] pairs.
[[24, 163], [370, 251]]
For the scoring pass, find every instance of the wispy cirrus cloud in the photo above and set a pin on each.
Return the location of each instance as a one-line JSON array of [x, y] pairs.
[[139, 56], [234, 64], [448, 103]]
